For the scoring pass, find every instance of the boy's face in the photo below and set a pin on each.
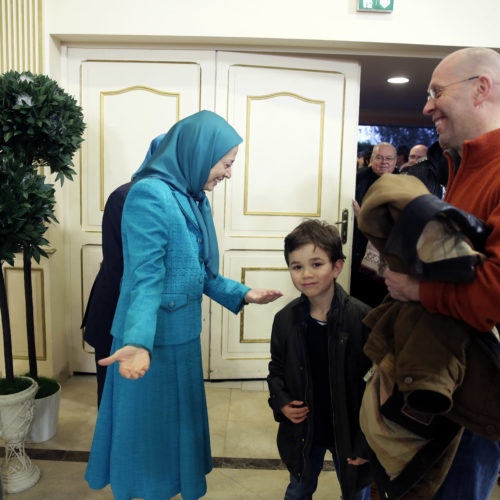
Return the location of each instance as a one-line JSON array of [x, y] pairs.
[[312, 272]]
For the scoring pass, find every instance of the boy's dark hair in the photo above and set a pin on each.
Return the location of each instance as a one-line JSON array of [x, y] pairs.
[[320, 234]]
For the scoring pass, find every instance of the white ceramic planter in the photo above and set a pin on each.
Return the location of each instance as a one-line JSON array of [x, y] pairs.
[[16, 413], [46, 415]]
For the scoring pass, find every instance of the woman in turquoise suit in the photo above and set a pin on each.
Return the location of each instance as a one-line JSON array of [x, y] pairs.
[[151, 438]]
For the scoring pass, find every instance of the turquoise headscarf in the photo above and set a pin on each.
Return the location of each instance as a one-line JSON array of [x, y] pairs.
[[184, 158], [152, 148]]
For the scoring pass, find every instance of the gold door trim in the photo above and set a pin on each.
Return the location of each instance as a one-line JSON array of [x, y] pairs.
[[242, 314], [317, 213], [135, 61], [134, 88], [291, 68], [43, 355]]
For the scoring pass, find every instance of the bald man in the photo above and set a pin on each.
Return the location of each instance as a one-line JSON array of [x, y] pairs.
[[417, 152], [464, 104]]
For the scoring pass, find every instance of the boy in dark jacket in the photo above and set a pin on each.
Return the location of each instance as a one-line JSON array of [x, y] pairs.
[[317, 367]]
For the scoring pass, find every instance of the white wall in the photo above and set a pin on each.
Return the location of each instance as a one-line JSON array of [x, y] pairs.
[[311, 23], [422, 28]]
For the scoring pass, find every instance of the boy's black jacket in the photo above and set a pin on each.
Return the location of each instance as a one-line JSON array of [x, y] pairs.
[[289, 379]]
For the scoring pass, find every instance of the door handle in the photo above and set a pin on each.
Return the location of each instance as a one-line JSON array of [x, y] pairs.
[[344, 223]]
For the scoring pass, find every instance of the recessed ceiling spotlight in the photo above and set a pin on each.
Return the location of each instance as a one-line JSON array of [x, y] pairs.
[[398, 79]]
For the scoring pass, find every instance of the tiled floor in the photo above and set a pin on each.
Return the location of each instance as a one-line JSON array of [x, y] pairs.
[[241, 426]]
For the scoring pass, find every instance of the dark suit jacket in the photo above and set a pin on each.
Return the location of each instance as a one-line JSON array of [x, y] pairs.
[[432, 171], [369, 290], [106, 288]]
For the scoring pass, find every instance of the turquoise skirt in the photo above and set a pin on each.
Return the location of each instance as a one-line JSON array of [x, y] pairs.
[[151, 438]]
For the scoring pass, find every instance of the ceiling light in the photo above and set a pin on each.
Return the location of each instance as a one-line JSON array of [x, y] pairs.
[[398, 79]]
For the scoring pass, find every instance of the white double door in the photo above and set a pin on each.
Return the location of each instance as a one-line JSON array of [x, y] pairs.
[[298, 118]]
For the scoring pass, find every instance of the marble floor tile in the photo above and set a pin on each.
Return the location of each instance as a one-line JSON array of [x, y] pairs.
[[243, 435], [218, 402], [250, 406], [218, 431], [224, 384], [77, 415], [251, 439], [61, 481], [64, 481], [254, 385], [232, 484]]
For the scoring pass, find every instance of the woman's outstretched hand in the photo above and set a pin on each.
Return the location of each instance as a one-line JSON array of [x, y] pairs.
[[134, 361], [262, 296]]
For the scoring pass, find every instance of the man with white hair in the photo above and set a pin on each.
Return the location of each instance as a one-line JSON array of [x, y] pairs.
[[464, 104], [364, 286]]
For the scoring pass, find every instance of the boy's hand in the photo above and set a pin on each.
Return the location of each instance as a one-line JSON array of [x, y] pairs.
[[295, 411], [356, 461]]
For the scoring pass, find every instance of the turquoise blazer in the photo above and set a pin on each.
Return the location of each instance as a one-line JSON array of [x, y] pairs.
[[164, 275]]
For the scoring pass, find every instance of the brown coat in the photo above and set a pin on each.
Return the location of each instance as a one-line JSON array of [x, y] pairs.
[[439, 367], [438, 372]]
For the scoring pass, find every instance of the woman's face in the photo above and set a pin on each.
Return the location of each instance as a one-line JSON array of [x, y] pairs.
[[221, 170]]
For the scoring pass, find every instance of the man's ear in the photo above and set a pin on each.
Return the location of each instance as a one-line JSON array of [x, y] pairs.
[[482, 89]]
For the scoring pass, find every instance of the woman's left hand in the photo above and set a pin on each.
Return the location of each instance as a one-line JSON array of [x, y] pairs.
[[262, 296]]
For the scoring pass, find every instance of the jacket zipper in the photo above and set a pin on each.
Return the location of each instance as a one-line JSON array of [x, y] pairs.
[[307, 376]]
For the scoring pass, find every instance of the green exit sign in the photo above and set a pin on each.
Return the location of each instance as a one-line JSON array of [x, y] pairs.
[[375, 5]]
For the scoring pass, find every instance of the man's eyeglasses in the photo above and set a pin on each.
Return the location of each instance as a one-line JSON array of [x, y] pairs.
[[436, 93], [385, 158]]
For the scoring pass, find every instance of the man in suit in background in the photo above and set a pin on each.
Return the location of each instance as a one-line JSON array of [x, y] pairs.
[[103, 297], [417, 152], [365, 287]]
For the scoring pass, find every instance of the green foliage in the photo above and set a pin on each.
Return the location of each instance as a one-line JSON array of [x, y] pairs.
[[40, 124], [17, 384], [46, 386], [363, 146], [10, 224], [398, 136], [408, 136], [26, 207]]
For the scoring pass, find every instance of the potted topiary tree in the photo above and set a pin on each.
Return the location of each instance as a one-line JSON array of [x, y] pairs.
[[16, 393], [42, 126]]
